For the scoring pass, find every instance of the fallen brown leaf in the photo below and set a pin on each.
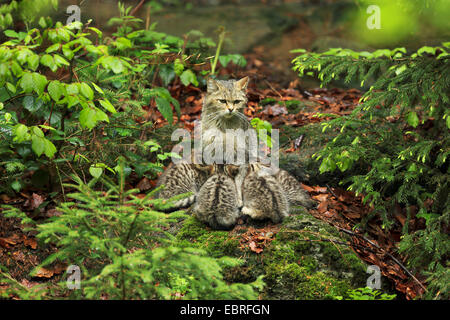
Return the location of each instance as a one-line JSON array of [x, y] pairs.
[[254, 248]]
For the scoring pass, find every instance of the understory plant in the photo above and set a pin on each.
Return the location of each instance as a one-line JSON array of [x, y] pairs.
[[72, 99], [124, 250], [399, 136]]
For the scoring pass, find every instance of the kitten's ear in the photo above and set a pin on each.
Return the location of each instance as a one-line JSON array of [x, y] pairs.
[[212, 85], [231, 170], [242, 84]]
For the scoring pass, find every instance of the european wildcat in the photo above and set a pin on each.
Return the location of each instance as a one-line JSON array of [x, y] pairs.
[[262, 195], [295, 193], [223, 108], [290, 186], [268, 193], [217, 202], [183, 178]]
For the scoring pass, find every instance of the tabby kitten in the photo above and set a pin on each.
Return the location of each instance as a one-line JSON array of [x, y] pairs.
[[217, 203], [223, 108], [268, 193], [295, 194], [183, 178], [262, 195]]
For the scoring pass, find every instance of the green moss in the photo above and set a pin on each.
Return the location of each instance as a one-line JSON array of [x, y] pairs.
[[192, 229], [282, 280], [291, 281], [302, 247], [320, 286], [216, 243], [296, 265]]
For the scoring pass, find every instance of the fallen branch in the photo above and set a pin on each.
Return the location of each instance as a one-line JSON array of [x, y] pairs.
[[385, 252]]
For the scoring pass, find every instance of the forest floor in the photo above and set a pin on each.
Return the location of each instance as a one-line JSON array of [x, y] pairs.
[[283, 106]]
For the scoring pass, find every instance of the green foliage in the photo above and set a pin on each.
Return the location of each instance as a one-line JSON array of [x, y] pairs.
[[399, 133], [25, 10], [11, 287], [366, 294], [263, 130], [120, 243], [71, 98]]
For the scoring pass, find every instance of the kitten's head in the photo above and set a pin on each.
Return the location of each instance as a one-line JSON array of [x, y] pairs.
[[226, 97]]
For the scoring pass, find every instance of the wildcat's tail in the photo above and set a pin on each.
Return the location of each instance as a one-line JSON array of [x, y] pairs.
[[178, 204]]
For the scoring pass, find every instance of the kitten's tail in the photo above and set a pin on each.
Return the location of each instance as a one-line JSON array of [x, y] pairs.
[[178, 204]]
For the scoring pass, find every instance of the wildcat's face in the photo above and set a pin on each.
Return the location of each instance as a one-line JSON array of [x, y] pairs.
[[226, 98]]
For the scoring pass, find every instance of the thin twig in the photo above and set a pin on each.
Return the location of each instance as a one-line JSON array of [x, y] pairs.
[[137, 8], [272, 88], [385, 252]]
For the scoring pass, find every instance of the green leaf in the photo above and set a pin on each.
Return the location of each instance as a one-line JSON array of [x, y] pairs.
[[56, 90], [49, 148], [48, 61], [11, 87], [72, 89], [97, 88], [16, 185], [97, 31], [63, 34], [40, 82], [100, 115], [60, 61], [224, 60], [32, 104], [42, 23], [96, 172], [86, 91], [107, 105], [166, 74], [164, 107], [38, 145], [67, 52], [21, 133], [37, 131], [88, 118], [26, 82], [33, 61], [178, 67], [425, 49], [413, 119], [53, 48], [188, 77], [11, 34]]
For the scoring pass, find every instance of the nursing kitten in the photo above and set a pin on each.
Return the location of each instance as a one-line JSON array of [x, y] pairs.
[[183, 178], [268, 193], [217, 203], [223, 108], [296, 195], [262, 195]]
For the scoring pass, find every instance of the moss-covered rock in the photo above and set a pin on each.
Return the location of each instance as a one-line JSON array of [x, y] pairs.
[[307, 258], [216, 243], [289, 281]]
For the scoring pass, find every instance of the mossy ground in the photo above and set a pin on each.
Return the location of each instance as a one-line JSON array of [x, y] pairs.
[[300, 263]]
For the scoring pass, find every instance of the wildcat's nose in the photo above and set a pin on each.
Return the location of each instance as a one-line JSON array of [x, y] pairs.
[[230, 109]]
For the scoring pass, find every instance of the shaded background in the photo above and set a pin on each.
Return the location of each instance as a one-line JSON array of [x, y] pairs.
[[271, 28]]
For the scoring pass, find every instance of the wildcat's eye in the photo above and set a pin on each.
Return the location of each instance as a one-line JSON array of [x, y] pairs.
[[237, 101], [222, 101]]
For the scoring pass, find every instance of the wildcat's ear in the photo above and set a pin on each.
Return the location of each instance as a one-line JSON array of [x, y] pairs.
[[231, 170], [212, 85], [242, 84]]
